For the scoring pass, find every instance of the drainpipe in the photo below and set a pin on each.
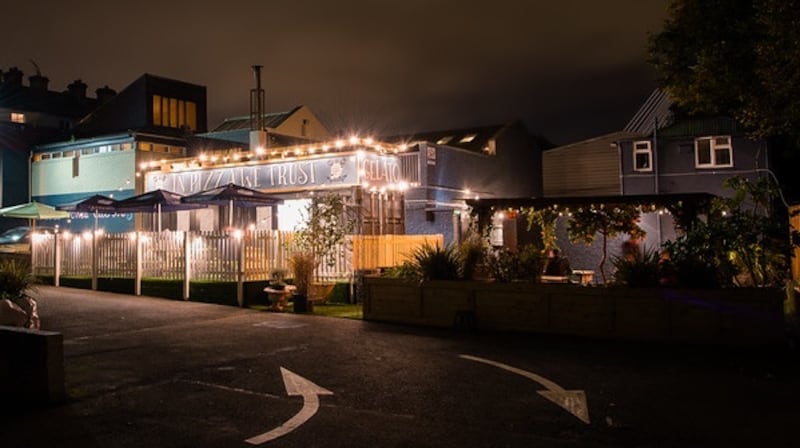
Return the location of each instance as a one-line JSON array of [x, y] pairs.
[[656, 185]]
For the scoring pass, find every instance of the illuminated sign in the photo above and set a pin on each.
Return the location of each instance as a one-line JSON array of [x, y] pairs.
[[326, 172]]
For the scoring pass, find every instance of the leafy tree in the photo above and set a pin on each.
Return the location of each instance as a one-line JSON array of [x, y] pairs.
[[606, 221], [737, 58], [327, 222]]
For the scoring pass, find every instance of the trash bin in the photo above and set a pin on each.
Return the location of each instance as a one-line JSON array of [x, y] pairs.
[[300, 302]]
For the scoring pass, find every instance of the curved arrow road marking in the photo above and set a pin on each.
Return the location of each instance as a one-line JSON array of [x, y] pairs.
[[295, 385], [572, 401]]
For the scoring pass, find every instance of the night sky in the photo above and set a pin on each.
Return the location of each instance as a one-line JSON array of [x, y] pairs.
[[570, 69]]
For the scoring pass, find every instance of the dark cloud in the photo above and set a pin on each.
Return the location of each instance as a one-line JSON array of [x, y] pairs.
[[389, 66]]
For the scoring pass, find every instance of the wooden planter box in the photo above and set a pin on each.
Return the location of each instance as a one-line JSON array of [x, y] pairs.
[[740, 316]]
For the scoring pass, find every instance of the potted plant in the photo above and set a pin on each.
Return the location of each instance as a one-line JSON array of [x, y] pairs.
[[302, 265], [15, 282]]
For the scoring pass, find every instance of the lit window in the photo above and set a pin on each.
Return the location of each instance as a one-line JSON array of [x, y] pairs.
[[17, 117], [468, 138], [157, 110], [713, 152], [642, 156], [444, 140]]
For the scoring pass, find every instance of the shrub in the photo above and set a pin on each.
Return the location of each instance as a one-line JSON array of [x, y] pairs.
[[641, 270], [15, 279], [435, 262], [506, 265], [472, 253], [303, 265]]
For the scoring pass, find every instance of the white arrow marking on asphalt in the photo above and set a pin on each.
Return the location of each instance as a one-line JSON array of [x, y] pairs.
[[573, 401], [295, 385]]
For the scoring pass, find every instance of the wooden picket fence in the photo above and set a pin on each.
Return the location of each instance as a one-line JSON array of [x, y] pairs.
[[209, 256]]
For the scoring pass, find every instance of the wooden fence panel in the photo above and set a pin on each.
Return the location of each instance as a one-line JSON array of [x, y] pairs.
[[216, 256], [378, 251], [116, 255], [162, 255]]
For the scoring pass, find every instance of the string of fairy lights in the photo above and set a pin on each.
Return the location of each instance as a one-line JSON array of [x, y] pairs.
[[237, 156]]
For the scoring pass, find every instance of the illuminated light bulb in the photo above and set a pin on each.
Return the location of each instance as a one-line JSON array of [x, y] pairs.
[[325, 148], [467, 192], [251, 227], [362, 172], [203, 157], [260, 150], [368, 141], [237, 156], [132, 236], [402, 186], [312, 150], [403, 147], [339, 143], [365, 185], [214, 159], [354, 140], [143, 166]]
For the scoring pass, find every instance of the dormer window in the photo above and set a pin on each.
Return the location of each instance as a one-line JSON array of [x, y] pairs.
[[444, 140], [17, 117], [468, 138]]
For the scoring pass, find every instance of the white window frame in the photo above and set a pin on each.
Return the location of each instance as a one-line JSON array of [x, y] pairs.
[[714, 146], [647, 149]]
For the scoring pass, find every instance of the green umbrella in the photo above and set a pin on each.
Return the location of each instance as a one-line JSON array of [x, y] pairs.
[[33, 210]]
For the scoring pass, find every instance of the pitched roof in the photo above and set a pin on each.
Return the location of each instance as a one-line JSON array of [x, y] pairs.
[[28, 99], [271, 120], [655, 110], [472, 139]]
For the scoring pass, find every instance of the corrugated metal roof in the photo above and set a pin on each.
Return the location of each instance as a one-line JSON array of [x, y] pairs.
[[271, 120], [699, 127], [655, 110]]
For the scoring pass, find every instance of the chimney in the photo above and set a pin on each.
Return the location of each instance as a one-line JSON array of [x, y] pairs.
[[38, 82], [13, 76], [104, 94], [77, 89], [258, 135]]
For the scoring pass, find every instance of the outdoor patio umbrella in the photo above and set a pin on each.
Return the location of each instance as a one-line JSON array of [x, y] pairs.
[[93, 204], [232, 195], [33, 210], [155, 201]]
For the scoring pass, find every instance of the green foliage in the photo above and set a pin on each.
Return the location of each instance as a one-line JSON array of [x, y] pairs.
[[606, 221], [753, 230], [698, 259], [742, 63], [15, 279], [302, 265], [436, 262], [471, 253], [327, 223], [545, 219], [506, 265], [641, 270]]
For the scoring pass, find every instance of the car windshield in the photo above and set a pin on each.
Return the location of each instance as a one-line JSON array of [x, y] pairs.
[[15, 235]]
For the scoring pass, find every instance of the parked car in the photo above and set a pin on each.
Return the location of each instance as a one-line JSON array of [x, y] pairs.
[[17, 240]]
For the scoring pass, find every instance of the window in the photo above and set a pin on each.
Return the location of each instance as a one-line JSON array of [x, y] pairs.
[[17, 117], [642, 156], [468, 138], [444, 140], [174, 113], [713, 152]]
